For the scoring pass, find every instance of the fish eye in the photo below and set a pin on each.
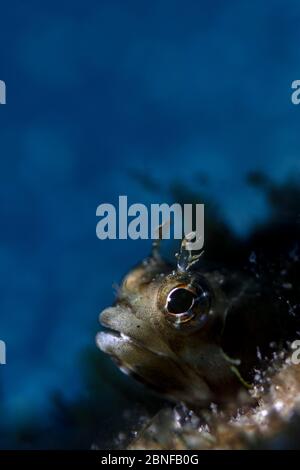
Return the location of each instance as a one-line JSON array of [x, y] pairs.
[[188, 303], [180, 300]]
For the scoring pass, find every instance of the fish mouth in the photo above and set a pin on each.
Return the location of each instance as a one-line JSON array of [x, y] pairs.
[[139, 351], [115, 331], [111, 340], [129, 354], [107, 338], [130, 341], [122, 326]]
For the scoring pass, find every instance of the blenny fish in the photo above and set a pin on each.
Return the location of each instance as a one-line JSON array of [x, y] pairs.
[[216, 337], [166, 326]]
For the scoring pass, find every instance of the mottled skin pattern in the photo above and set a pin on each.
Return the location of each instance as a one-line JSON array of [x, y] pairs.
[[178, 356]]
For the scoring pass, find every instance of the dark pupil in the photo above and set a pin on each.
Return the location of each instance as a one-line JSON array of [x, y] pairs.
[[180, 301]]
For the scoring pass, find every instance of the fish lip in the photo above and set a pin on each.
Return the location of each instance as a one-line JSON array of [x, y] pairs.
[[109, 335], [108, 329], [112, 331], [108, 332]]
